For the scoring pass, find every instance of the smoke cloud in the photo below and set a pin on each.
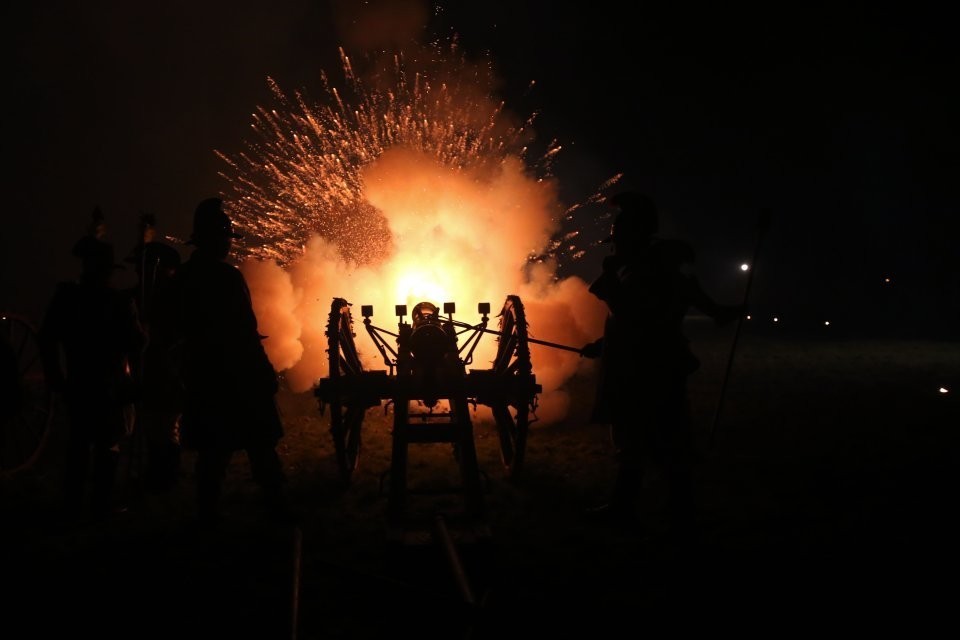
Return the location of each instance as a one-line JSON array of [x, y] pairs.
[[419, 191], [458, 235]]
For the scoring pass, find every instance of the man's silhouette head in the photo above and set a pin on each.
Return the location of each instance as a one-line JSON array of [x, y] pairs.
[[96, 259], [212, 228], [636, 222]]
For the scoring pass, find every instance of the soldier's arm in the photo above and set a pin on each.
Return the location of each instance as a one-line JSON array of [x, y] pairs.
[[592, 349], [722, 314]]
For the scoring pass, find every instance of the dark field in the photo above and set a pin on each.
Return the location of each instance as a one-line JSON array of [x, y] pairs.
[[828, 502]]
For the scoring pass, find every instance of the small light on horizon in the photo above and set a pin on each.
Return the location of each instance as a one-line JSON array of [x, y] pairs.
[[748, 317], [944, 390], [744, 267], [826, 323], [776, 319], [886, 280]]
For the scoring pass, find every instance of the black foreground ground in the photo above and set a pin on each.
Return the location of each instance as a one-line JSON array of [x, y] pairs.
[[827, 504]]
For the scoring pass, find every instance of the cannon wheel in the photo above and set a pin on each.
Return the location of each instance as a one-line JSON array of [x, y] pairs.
[[346, 418], [513, 359], [26, 410]]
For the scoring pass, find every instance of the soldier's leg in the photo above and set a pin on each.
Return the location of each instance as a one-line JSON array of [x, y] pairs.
[[630, 467], [267, 471], [106, 459], [681, 504], [678, 455], [76, 460], [163, 448], [211, 468], [265, 467], [76, 464], [621, 508]]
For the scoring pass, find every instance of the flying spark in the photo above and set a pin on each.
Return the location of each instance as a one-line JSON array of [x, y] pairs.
[[303, 174], [407, 181]]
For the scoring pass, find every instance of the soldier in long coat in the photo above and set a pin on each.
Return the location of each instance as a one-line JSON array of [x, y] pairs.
[[229, 383]]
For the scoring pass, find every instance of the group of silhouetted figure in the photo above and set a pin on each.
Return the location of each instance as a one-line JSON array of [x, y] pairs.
[[183, 349], [178, 358]]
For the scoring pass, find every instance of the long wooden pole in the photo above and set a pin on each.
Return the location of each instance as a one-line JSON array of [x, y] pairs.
[[763, 224]]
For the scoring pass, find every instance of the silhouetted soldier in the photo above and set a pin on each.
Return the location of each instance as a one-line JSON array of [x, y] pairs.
[[96, 229], [646, 359], [88, 335], [161, 396], [229, 382], [154, 262]]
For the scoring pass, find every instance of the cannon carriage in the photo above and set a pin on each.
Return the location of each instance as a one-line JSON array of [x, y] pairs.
[[430, 385]]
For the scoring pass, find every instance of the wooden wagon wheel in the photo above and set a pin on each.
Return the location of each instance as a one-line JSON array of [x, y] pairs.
[[512, 363], [26, 407], [346, 412]]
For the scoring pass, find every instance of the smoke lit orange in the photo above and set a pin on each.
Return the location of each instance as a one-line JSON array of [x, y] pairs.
[[410, 184]]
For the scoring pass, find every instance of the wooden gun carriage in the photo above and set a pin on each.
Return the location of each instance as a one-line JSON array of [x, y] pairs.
[[430, 387]]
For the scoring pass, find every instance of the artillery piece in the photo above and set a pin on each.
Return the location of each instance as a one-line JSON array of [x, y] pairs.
[[428, 364]]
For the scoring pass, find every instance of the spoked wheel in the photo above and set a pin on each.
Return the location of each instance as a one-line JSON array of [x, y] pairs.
[[512, 366], [26, 404], [346, 412]]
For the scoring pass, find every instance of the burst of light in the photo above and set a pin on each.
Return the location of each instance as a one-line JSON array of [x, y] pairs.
[[417, 285], [405, 182], [944, 390], [826, 323], [748, 317], [775, 319], [304, 174], [744, 267]]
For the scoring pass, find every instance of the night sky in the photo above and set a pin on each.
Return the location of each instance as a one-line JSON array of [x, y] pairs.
[[843, 123]]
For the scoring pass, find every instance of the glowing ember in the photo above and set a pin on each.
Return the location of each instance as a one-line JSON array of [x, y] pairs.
[[411, 184]]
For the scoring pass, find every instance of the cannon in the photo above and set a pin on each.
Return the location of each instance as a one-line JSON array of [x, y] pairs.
[[427, 361]]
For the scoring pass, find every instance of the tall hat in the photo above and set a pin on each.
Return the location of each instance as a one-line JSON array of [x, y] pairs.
[[211, 223], [637, 215]]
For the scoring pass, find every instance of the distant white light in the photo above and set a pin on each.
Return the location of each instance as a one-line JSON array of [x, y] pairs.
[[748, 317], [776, 319], [887, 280], [826, 323], [944, 390], [744, 267]]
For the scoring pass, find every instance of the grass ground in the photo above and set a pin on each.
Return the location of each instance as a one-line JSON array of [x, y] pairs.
[[828, 497]]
